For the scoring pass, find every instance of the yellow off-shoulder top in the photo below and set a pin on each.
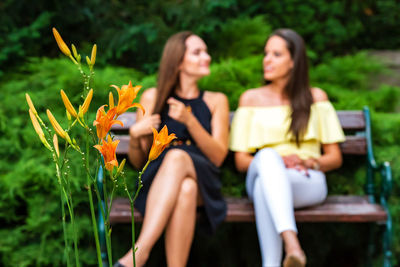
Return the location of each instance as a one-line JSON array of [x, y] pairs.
[[254, 128]]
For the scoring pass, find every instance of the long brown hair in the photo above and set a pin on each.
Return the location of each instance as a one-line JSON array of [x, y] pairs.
[[297, 88], [168, 73]]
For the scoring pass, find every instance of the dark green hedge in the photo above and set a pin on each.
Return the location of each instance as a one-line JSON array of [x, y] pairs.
[[132, 33], [31, 232]]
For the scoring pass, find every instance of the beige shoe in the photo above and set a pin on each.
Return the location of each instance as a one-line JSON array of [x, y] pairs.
[[295, 260]]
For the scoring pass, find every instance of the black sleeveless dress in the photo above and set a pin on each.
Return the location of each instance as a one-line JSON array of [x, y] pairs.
[[214, 210]]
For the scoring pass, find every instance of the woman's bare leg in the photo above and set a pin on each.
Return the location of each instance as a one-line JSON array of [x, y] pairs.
[[180, 229], [161, 200], [295, 256], [291, 242]]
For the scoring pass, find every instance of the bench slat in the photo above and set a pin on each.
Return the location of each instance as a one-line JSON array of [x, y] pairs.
[[350, 120], [127, 118], [354, 145], [354, 209]]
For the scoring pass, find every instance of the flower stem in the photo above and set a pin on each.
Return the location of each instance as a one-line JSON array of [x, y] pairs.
[[66, 245], [65, 231], [107, 223], [74, 228], [92, 212], [94, 224], [133, 233], [132, 202]]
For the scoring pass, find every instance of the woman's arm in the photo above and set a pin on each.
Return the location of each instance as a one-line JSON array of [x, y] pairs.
[[332, 157], [243, 160], [214, 145], [140, 132], [330, 160]]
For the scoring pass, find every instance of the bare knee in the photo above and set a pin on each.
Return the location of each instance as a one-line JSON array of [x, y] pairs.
[[188, 192], [177, 158]]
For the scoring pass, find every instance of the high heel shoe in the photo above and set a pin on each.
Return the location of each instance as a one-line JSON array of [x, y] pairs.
[[295, 260]]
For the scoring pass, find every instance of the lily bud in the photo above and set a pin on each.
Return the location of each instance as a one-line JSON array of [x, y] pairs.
[[86, 103], [38, 129], [111, 100], [63, 134], [68, 115], [121, 167], [88, 61], [61, 44], [68, 104], [74, 51], [55, 143], [30, 104], [93, 56]]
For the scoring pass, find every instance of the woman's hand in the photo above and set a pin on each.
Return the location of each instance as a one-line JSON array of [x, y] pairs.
[[311, 163], [178, 111], [291, 161], [144, 126], [295, 162]]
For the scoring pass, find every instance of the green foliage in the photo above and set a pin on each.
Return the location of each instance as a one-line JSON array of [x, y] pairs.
[[13, 45], [31, 232], [233, 77], [240, 37], [132, 33], [30, 215]]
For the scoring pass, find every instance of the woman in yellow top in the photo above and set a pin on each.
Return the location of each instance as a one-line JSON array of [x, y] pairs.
[[277, 134]]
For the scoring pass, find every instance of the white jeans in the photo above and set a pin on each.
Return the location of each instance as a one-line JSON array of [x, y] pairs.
[[276, 191]]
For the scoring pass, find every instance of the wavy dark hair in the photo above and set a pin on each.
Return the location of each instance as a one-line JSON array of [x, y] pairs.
[[168, 72], [297, 88]]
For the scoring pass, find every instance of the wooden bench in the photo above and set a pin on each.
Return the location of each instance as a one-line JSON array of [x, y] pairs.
[[369, 208]]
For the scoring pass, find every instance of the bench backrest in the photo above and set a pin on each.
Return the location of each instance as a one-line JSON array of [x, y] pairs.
[[354, 123]]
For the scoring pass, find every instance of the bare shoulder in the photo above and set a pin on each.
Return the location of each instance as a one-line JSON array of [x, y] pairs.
[[319, 94], [249, 97], [215, 96], [149, 95], [148, 100], [215, 100]]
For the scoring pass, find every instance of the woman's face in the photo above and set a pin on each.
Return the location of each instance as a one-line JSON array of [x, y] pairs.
[[277, 60], [196, 61]]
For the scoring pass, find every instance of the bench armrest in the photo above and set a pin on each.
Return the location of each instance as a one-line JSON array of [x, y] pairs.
[[386, 182], [384, 168], [386, 179]]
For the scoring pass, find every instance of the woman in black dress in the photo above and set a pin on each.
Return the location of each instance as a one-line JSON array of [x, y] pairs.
[[186, 173]]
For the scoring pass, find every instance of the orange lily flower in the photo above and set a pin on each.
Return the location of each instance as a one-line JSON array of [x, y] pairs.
[[160, 142], [104, 121], [126, 95], [61, 44], [107, 149]]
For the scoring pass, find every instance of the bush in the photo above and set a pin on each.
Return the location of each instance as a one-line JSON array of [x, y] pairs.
[[132, 33], [31, 232], [30, 216]]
